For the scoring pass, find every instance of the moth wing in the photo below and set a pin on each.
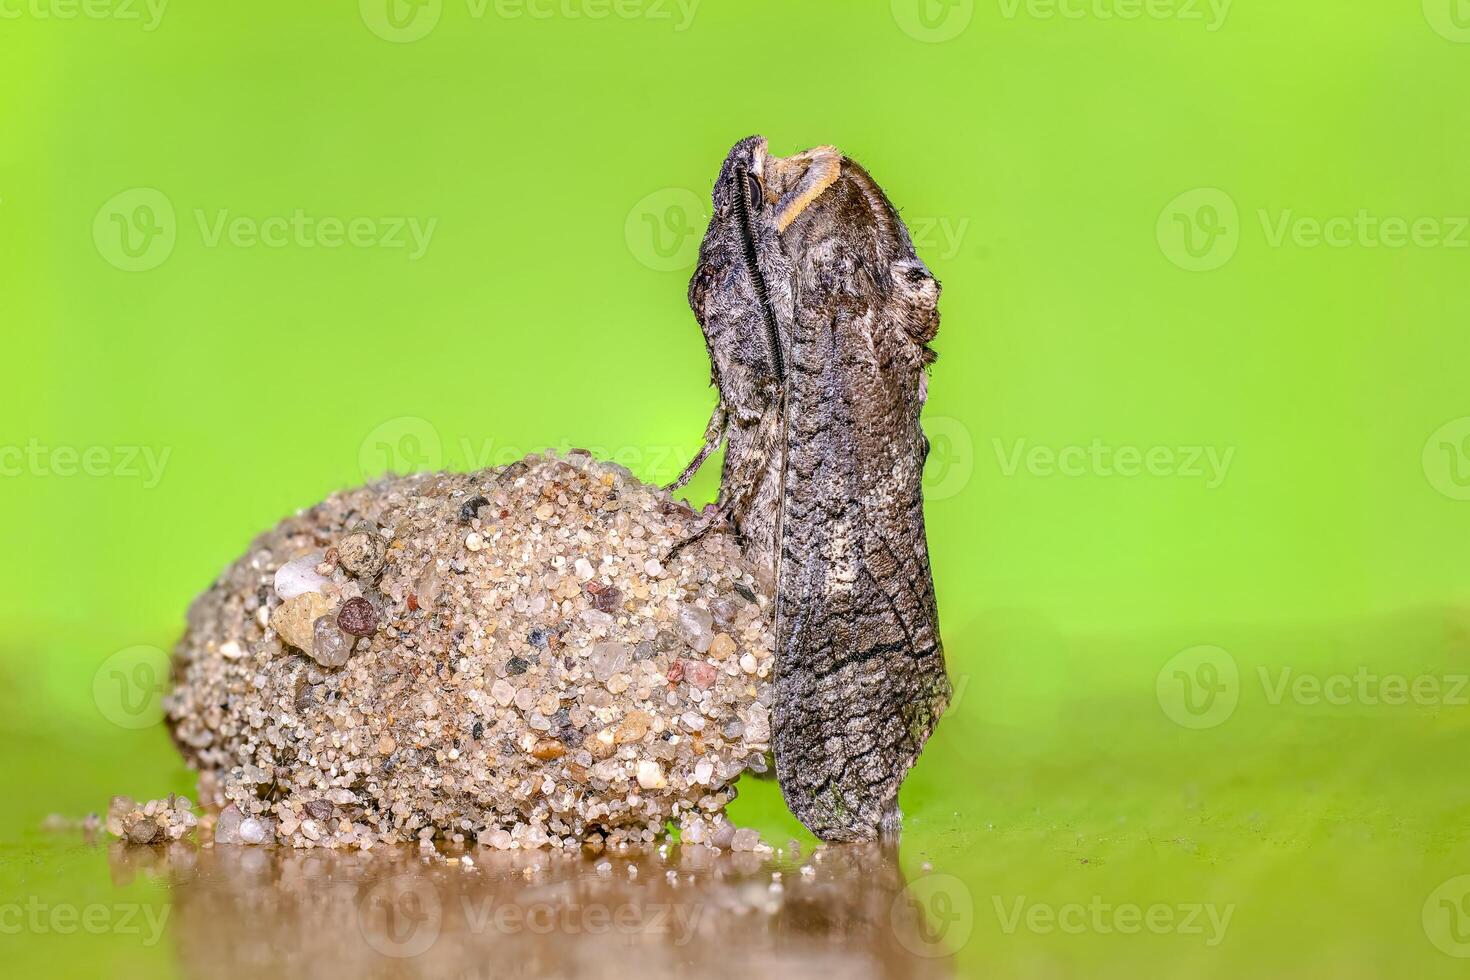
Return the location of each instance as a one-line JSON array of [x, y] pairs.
[[860, 670]]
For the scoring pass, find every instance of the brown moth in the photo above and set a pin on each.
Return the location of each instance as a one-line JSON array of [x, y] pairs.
[[817, 314]]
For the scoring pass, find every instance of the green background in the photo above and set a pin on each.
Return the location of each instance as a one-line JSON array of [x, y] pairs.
[[1049, 166]]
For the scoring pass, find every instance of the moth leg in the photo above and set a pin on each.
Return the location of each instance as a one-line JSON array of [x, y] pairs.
[[741, 484], [714, 434], [712, 517]]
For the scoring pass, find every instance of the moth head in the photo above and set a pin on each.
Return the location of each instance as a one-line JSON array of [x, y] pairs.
[[743, 287], [772, 191]]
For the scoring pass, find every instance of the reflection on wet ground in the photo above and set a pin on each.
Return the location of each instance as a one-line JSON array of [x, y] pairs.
[[477, 913]]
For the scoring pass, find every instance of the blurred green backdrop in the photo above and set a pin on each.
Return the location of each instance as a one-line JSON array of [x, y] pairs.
[[1201, 385]]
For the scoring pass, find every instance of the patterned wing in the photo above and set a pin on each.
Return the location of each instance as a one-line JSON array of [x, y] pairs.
[[860, 669]]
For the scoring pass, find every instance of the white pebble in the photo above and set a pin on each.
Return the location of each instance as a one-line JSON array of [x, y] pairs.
[[651, 775], [299, 577]]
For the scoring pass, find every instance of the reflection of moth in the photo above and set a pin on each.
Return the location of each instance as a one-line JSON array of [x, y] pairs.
[[817, 315]]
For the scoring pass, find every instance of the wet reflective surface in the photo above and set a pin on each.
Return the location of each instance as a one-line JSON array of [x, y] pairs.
[[1293, 840], [253, 912]]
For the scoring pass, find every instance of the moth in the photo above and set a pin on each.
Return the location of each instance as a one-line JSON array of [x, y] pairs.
[[817, 315]]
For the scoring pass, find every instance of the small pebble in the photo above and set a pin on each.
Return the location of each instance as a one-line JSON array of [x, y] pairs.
[[330, 647], [298, 577]]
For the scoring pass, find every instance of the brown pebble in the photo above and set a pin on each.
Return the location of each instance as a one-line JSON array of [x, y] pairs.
[[143, 832], [320, 809], [607, 600], [721, 647], [548, 749], [634, 726], [361, 552], [358, 617]]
